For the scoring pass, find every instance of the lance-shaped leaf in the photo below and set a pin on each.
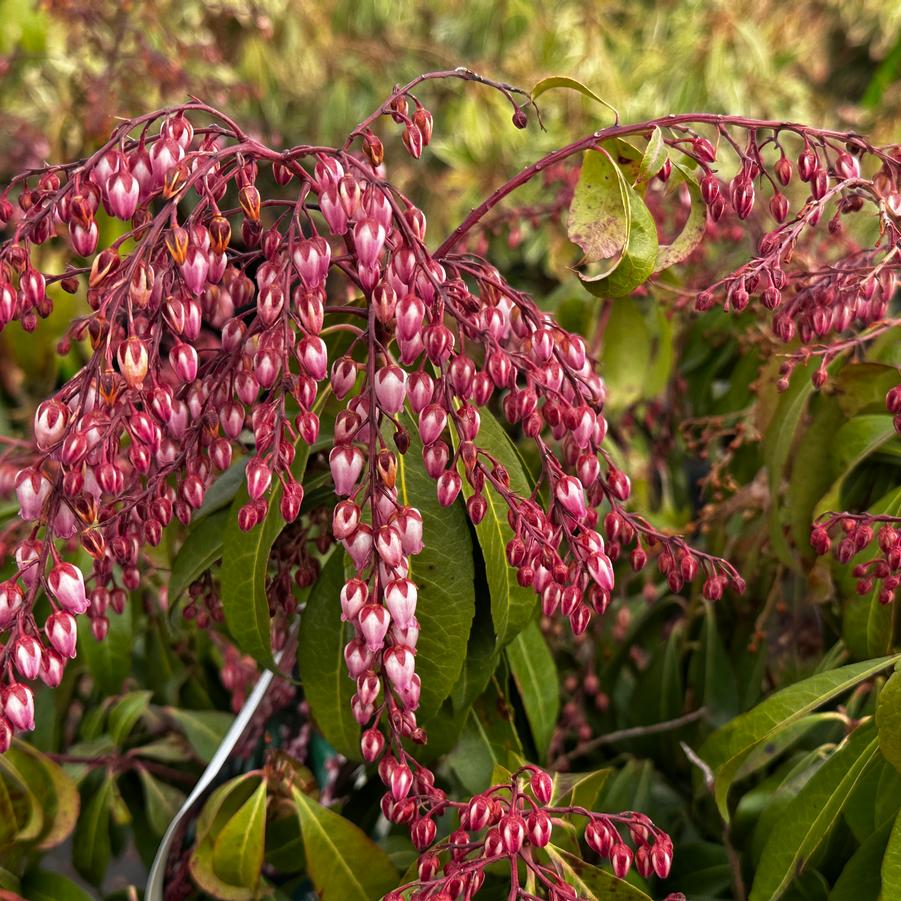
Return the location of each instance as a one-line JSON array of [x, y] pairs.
[[592, 883], [320, 659], [342, 861], [808, 819], [692, 233], [238, 848], [888, 719], [564, 81], [726, 750], [537, 681]]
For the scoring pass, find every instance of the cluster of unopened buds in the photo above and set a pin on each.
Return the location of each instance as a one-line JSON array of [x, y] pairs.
[[848, 534], [511, 823], [212, 320]]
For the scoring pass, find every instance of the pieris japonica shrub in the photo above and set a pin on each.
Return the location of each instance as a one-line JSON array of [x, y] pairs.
[[366, 449]]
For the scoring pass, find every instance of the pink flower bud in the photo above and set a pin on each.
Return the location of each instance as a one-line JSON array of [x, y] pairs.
[[513, 832], [391, 388], [133, 361], [374, 620], [662, 858], [27, 656], [409, 522], [369, 239], [449, 485], [312, 258], [400, 599], [62, 633], [423, 833], [435, 457], [410, 313], [6, 734], [123, 192], [372, 743], [601, 570], [359, 546], [183, 358], [32, 490], [67, 585], [313, 356], [50, 423], [432, 422], [599, 837], [571, 496], [400, 664], [345, 519], [478, 813], [18, 706], [420, 388], [259, 478], [357, 658], [346, 464], [542, 787], [333, 210], [538, 826], [401, 782], [621, 859], [354, 595], [344, 376], [10, 602], [389, 547]]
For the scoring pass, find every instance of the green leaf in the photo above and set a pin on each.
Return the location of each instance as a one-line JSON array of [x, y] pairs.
[[891, 863], [162, 801], [204, 729], [888, 720], [626, 353], [808, 820], [23, 815], [444, 572], [578, 789], [512, 606], [343, 863], [488, 739], [245, 562], [91, 841], [238, 848], [109, 661], [535, 674], [711, 672], [729, 746], [564, 81], [320, 659], [592, 882], [599, 216], [654, 156], [639, 259], [202, 548], [44, 885], [55, 792], [685, 243], [125, 713], [860, 877]]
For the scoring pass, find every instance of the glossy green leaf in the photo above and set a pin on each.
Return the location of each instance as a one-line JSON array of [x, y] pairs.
[[343, 863], [808, 820], [91, 841], [162, 801], [639, 259], [24, 820], [564, 81], [204, 729], [202, 548], [654, 156], [488, 739], [888, 720], [593, 883], [238, 848], [599, 216], [125, 713], [578, 789], [109, 661], [891, 863], [320, 659], [45, 885], [726, 750], [711, 673], [511, 605], [625, 353], [693, 231], [245, 562], [54, 790], [861, 877], [444, 572], [535, 674]]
